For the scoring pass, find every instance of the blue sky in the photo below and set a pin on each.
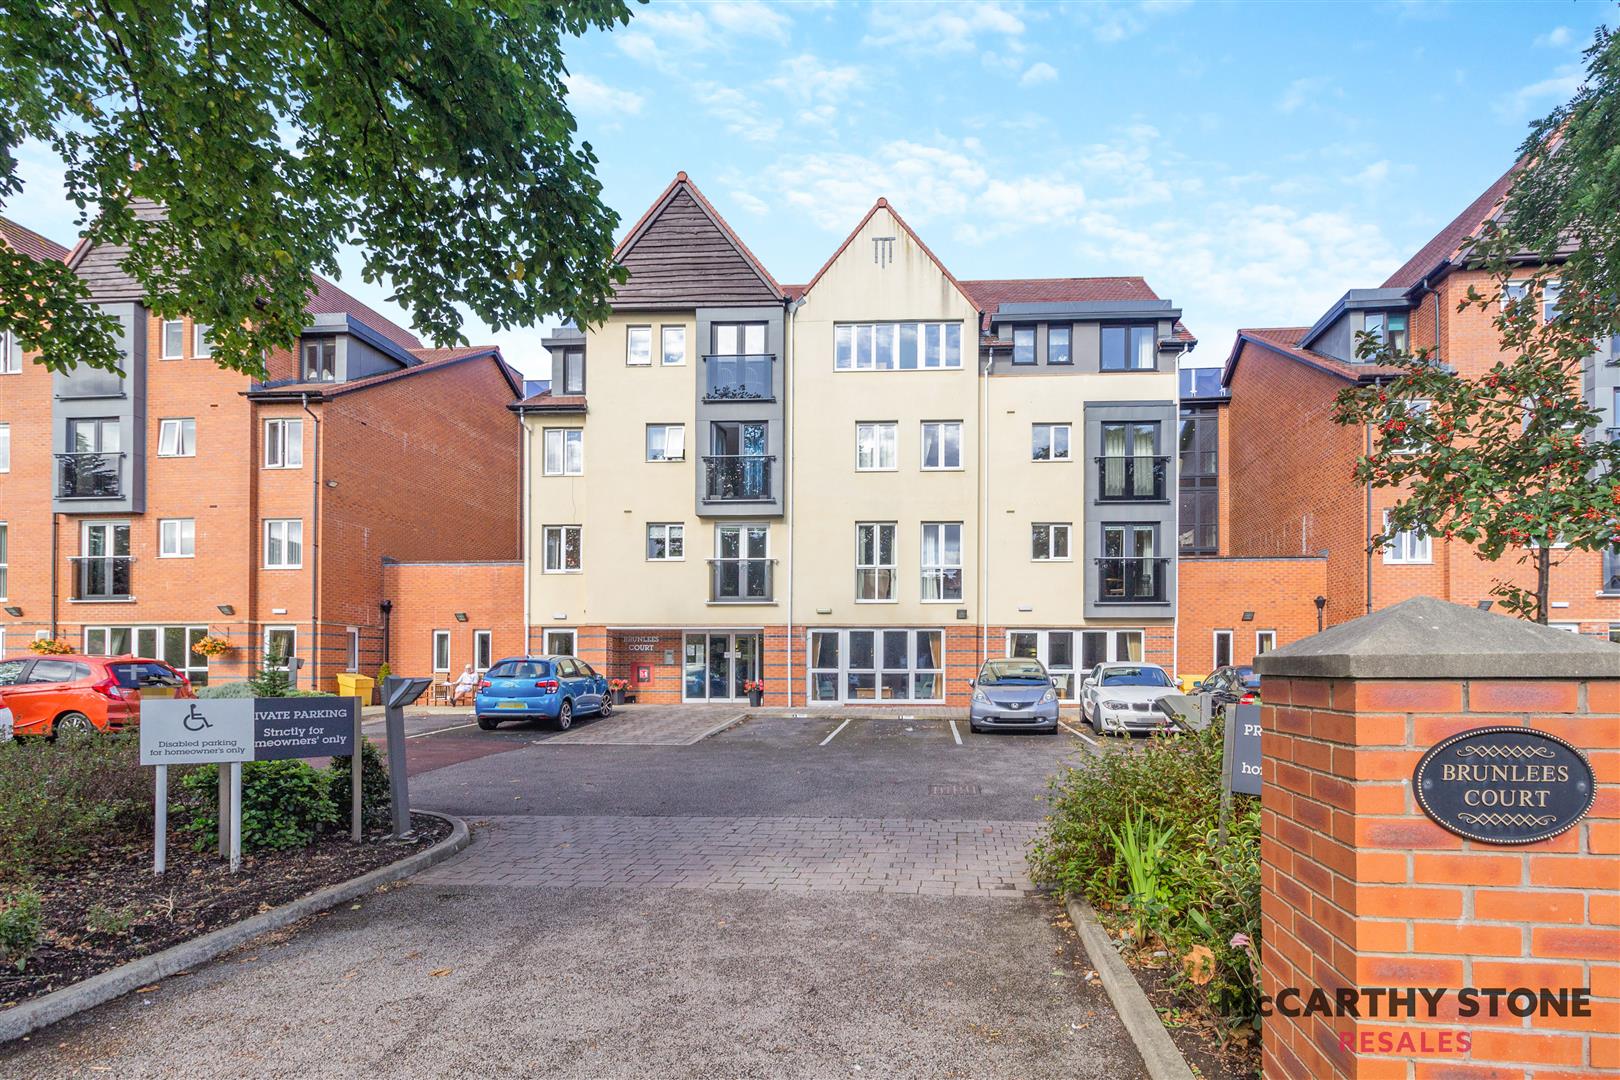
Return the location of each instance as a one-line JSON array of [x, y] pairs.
[[1252, 161]]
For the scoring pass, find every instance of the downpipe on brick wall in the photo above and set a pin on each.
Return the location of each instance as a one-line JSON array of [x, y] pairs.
[[314, 548]]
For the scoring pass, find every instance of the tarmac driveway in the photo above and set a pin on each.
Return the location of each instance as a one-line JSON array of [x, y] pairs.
[[773, 900]]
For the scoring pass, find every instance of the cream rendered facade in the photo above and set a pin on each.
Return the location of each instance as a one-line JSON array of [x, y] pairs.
[[886, 581]]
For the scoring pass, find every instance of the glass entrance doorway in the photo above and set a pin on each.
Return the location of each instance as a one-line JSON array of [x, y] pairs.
[[719, 665]]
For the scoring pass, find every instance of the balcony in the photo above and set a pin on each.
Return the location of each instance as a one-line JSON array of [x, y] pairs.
[[1612, 434], [1132, 478], [741, 581], [732, 478], [738, 378], [1138, 580], [102, 577], [90, 476]]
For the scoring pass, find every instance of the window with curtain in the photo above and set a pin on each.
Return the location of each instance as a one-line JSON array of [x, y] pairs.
[[942, 560]]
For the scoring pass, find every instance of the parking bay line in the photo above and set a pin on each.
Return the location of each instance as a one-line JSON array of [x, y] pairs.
[[836, 730], [957, 735], [435, 731], [1082, 736]]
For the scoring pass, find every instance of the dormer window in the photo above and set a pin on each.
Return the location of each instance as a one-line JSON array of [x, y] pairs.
[[1023, 345], [573, 371], [320, 360], [1130, 348], [1388, 327]]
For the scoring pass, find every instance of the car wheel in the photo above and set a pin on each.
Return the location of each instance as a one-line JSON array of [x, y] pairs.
[[565, 716], [74, 722], [975, 728], [607, 706], [488, 723]]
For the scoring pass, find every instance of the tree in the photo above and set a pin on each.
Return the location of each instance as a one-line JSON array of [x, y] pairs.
[[434, 134], [271, 680], [1513, 460]]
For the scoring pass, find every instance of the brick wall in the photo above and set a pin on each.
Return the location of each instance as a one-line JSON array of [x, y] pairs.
[[426, 597], [1361, 889], [1215, 592]]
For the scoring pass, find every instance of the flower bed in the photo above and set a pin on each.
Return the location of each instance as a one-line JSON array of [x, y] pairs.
[[1137, 834]]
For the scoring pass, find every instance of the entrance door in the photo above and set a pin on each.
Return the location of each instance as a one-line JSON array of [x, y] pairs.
[[1054, 649], [718, 666]]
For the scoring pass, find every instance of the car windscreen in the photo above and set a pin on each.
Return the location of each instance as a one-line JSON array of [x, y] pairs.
[[520, 669], [1135, 676], [133, 676], [1012, 672], [1247, 676]]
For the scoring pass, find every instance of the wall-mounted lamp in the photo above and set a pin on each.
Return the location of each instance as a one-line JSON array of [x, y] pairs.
[[461, 616], [226, 609], [1485, 605], [14, 611], [1248, 616], [1321, 606]]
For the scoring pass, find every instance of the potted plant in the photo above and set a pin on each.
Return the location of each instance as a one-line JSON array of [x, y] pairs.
[[756, 692], [618, 687]]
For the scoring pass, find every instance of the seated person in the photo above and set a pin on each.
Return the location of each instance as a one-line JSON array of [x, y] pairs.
[[465, 686]]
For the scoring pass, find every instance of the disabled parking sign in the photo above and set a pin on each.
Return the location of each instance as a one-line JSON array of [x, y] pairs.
[[191, 731]]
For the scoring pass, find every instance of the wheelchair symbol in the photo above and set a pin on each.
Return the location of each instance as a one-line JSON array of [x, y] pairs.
[[196, 721]]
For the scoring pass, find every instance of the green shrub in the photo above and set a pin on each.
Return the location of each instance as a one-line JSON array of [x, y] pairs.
[[226, 690], [21, 926], [285, 804], [376, 810], [1139, 831], [272, 679], [59, 799]]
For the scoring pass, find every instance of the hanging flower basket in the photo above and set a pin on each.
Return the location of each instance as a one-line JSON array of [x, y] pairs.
[[209, 645], [49, 647]]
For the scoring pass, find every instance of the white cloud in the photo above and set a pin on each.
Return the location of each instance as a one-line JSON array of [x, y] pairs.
[[806, 78], [1541, 96], [1302, 92], [750, 18], [1038, 72], [942, 27], [741, 114], [1559, 37], [1372, 176], [592, 95], [1112, 22]]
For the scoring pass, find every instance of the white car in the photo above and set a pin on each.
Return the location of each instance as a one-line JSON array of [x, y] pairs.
[[1122, 696], [6, 724]]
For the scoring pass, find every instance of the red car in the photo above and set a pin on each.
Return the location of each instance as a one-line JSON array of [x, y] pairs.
[[47, 694]]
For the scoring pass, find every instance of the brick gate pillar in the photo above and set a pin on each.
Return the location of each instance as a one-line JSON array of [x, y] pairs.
[[1361, 889]]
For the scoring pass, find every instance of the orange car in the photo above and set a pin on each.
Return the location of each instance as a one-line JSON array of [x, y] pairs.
[[47, 694]]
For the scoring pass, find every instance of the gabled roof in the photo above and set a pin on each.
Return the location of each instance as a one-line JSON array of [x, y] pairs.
[[326, 298], [1446, 245], [26, 241], [686, 246], [883, 204], [430, 360], [992, 293], [1284, 341], [546, 401]]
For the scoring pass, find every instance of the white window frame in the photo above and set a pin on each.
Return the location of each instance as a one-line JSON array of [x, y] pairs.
[[1051, 442], [1409, 548], [939, 441], [483, 641], [287, 530], [278, 436], [631, 334], [1267, 636], [201, 347], [177, 551], [940, 570], [876, 568], [1552, 291], [1415, 407], [664, 333], [856, 346], [545, 549], [663, 529], [177, 424], [877, 430], [10, 355], [352, 635], [441, 648], [666, 429], [1513, 290], [180, 340], [264, 643], [5, 558], [573, 641], [5, 448], [1215, 648], [1052, 528], [566, 465]]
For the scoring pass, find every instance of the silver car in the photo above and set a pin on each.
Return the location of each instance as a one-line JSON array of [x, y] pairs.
[[1013, 693]]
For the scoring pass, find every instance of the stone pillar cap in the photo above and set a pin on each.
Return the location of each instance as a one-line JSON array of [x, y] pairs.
[[1425, 638]]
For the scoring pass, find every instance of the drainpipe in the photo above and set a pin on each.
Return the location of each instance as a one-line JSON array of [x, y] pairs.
[[314, 547], [523, 525], [984, 496], [791, 308], [56, 588], [1369, 528]]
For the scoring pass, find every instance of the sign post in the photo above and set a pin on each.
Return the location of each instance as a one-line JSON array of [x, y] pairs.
[[356, 799], [160, 822], [398, 692], [236, 816]]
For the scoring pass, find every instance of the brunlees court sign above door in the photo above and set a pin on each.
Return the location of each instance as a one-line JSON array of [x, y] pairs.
[[1504, 785]]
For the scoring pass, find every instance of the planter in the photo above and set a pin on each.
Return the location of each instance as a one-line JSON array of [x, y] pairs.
[[756, 698], [618, 697]]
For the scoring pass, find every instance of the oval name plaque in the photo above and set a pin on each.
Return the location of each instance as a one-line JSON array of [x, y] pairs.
[[1504, 785]]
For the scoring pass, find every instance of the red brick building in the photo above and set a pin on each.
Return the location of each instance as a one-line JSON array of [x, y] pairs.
[[140, 513], [1291, 465]]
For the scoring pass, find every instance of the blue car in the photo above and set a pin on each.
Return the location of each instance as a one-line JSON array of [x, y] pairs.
[[551, 688], [1013, 693]]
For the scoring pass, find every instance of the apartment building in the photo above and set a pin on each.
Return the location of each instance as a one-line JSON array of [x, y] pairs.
[[141, 512], [855, 489], [1284, 467]]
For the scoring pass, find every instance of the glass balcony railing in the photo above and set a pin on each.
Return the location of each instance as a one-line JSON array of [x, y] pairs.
[[90, 476], [1131, 478], [737, 477], [741, 581], [738, 378], [102, 577], [1139, 580]]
